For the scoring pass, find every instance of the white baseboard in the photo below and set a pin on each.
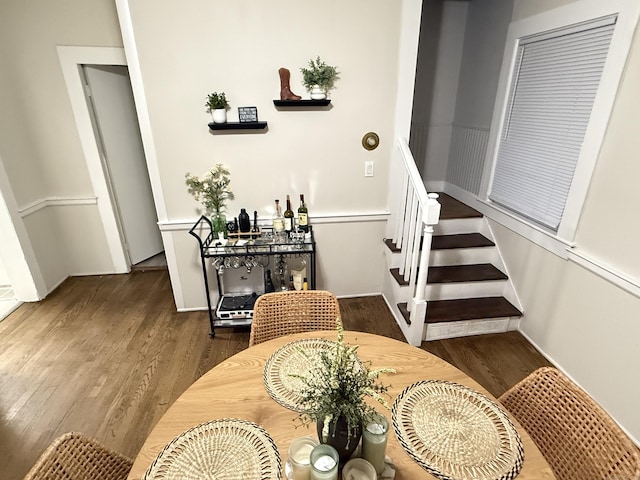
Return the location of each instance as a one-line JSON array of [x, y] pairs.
[[191, 309], [373, 294], [7, 307], [41, 203]]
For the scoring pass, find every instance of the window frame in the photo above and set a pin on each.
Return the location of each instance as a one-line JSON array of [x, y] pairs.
[[628, 12]]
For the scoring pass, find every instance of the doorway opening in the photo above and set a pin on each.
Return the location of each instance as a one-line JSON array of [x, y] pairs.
[[117, 134], [109, 127]]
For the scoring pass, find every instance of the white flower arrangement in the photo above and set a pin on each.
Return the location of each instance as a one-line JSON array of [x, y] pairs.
[[336, 386], [212, 189]]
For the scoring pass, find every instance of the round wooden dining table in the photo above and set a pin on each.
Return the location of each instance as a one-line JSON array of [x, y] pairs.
[[235, 389]]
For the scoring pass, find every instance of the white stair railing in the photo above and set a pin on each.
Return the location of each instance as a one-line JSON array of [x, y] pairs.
[[413, 216]]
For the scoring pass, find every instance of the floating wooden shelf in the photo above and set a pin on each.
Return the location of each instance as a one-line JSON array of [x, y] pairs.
[[302, 103], [238, 126]]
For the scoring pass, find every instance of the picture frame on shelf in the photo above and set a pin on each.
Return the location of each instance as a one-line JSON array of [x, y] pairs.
[[247, 114]]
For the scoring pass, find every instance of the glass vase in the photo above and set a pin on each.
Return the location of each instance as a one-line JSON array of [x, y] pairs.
[[219, 224]]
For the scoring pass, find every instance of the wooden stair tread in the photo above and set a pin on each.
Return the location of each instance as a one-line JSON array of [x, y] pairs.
[[478, 272], [391, 245], [441, 311], [470, 309], [460, 240], [449, 242], [452, 208], [464, 273], [463, 309], [406, 314]]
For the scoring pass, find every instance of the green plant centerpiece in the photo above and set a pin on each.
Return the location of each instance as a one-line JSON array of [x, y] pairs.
[[319, 77], [334, 394], [213, 190]]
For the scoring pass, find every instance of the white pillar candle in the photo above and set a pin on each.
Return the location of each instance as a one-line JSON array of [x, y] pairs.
[[324, 463], [300, 457], [358, 469], [374, 441]]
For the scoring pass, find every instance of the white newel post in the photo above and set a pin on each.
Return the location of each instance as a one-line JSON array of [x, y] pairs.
[[418, 305]]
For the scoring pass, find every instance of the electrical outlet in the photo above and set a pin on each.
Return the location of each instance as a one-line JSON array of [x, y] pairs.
[[368, 169]]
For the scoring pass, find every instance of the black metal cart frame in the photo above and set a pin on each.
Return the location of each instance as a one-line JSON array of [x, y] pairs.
[[211, 247]]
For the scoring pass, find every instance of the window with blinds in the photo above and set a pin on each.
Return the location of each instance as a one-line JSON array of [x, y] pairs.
[[553, 87]]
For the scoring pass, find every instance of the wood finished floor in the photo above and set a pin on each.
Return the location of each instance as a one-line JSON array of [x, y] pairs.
[[107, 355]]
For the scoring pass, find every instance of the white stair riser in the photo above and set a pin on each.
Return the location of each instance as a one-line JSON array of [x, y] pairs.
[[393, 295], [451, 291], [463, 256], [454, 256], [459, 225], [392, 258], [463, 328]]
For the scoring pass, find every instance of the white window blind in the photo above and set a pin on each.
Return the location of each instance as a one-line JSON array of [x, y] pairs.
[[552, 91]]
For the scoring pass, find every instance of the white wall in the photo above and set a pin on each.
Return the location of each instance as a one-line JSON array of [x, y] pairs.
[[40, 149], [583, 322], [4, 276], [439, 62], [486, 29], [184, 55], [586, 324]]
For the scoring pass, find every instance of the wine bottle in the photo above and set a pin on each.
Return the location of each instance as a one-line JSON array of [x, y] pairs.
[[268, 284], [288, 217], [278, 219], [303, 217]]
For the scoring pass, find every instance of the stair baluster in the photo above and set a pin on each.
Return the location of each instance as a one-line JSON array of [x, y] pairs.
[[416, 212]]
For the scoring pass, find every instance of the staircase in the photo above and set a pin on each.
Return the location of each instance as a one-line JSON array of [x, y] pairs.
[[467, 291]]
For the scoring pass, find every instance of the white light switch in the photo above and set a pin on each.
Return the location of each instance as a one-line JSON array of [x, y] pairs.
[[368, 169]]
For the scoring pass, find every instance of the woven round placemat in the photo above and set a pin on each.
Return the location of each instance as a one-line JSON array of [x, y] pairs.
[[227, 448], [294, 358], [456, 433]]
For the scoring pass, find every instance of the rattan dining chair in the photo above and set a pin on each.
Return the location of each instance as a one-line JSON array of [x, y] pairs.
[[74, 456], [575, 435], [283, 313]]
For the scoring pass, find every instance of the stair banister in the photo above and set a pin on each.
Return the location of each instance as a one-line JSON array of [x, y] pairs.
[[431, 217], [415, 214]]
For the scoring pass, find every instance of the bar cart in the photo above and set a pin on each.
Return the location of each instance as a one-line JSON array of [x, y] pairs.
[[242, 259]]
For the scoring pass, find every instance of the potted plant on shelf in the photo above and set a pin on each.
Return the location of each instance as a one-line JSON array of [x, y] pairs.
[[213, 189], [319, 78], [217, 104], [333, 395]]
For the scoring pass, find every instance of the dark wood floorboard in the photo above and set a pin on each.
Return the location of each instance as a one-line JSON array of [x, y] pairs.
[[107, 355]]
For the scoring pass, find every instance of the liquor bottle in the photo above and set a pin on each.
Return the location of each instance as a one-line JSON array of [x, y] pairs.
[[255, 221], [303, 217], [305, 285], [243, 220], [278, 219], [288, 217], [268, 284]]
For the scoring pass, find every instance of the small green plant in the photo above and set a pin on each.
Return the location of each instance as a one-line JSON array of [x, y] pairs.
[[215, 101], [319, 73]]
